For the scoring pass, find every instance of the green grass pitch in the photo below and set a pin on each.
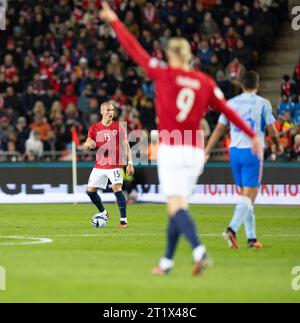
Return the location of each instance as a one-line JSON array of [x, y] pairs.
[[84, 264]]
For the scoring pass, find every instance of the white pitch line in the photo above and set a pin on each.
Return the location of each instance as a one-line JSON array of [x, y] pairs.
[[36, 240], [280, 235], [154, 234], [118, 234], [41, 240]]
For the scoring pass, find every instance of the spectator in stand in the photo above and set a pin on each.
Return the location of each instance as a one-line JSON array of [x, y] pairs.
[[34, 146], [226, 24], [147, 116], [223, 53], [147, 40], [234, 71], [41, 125], [3, 83], [61, 138], [215, 66], [204, 53], [68, 97], [148, 89], [38, 84], [296, 112], [119, 97], [5, 130], [296, 148], [11, 100], [149, 13], [115, 69], [284, 126], [8, 68], [22, 133], [216, 41], [49, 98], [134, 122], [243, 54], [158, 52], [131, 83], [288, 88], [224, 84], [139, 100], [131, 24], [296, 77], [231, 38], [250, 40], [209, 27]]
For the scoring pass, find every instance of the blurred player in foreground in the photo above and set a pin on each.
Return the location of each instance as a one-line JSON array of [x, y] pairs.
[[110, 140], [246, 167], [182, 98]]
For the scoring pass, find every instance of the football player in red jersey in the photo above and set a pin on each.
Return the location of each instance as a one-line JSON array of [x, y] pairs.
[[183, 96], [110, 140]]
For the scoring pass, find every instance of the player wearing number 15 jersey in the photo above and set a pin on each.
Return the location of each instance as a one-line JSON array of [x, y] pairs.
[[113, 151], [182, 99]]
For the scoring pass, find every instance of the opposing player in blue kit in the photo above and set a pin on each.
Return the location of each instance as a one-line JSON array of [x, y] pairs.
[[246, 167]]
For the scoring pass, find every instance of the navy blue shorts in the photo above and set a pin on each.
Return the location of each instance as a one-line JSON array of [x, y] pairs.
[[246, 167]]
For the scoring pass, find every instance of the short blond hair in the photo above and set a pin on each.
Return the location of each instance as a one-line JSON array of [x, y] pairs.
[[181, 48], [104, 104]]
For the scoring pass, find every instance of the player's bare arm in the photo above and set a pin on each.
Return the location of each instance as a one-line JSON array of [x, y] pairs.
[[275, 138], [89, 144], [129, 167], [214, 138]]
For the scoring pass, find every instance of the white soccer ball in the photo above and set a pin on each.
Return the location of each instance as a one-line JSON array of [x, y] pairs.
[[99, 220]]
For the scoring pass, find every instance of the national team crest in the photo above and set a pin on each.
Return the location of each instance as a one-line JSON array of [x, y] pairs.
[[115, 132]]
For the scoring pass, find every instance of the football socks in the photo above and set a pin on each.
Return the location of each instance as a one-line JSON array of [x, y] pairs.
[[173, 235], [241, 209], [121, 200], [186, 226], [250, 225], [96, 199]]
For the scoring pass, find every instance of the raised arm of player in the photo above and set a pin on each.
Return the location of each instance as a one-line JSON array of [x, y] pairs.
[[128, 41], [218, 102]]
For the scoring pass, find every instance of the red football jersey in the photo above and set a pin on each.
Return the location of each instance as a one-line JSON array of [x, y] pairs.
[[182, 100], [182, 97], [108, 140]]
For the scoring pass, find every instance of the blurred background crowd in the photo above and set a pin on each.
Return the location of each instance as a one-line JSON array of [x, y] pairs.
[[58, 62]]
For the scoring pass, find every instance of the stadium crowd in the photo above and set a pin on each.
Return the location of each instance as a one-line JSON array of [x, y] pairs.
[[288, 115], [58, 61]]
